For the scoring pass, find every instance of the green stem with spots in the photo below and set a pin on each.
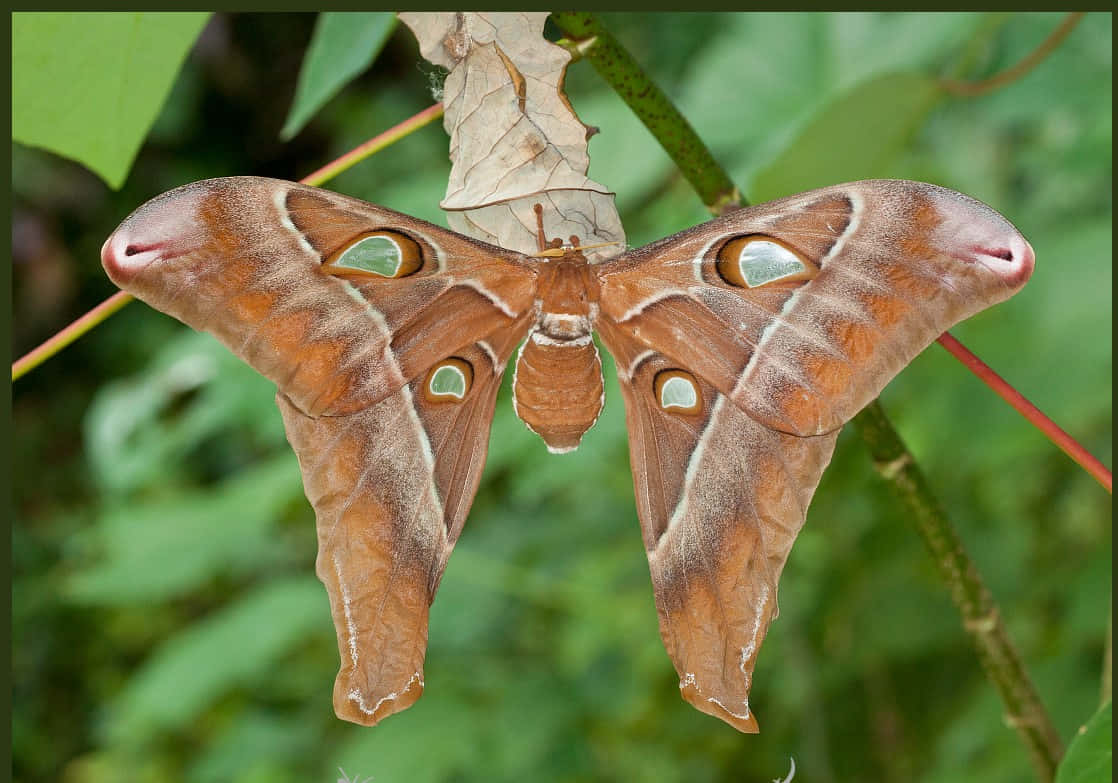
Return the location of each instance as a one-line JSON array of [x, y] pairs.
[[589, 39], [979, 613], [981, 617]]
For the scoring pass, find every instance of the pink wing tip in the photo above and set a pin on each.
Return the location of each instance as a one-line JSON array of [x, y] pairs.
[[974, 233], [163, 228], [123, 258], [1014, 262]]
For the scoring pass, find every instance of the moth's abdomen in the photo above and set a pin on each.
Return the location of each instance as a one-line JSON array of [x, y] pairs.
[[557, 390]]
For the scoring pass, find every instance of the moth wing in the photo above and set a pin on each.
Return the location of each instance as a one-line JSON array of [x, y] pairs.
[[721, 499], [391, 485], [386, 384], [735, 392], [802, 309], [249, 260]]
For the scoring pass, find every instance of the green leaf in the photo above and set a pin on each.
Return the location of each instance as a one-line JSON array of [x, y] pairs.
[[342, 46], [1089, 757], [88, 86], [218, 653], [853, 138]]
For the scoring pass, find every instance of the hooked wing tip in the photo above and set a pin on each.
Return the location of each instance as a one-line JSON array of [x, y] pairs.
[[123, 258], [366, 709], [974, 233], [1013, 260], [163, 228], [744, 721]]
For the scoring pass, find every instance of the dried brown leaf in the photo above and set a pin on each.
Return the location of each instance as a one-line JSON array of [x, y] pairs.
[[514, 139]]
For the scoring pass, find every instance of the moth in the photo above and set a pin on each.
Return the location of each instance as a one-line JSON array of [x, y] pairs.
[[742, 346]]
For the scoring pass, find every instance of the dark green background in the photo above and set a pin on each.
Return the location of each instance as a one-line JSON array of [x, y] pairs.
[[167, 624]]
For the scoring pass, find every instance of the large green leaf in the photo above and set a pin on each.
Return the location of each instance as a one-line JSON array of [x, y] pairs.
[[88, 86], [194, 668], [855, 137], [1088, 760], [343, 45]]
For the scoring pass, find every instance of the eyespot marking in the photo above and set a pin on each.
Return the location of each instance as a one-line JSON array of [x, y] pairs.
[[449, 381], [378, 254], [752, 261], [677, 392]]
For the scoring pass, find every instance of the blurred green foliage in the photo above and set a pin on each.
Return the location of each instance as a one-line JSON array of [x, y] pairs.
[[167, 625]]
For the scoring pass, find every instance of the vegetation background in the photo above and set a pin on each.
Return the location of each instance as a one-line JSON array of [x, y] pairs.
[[167, 623]]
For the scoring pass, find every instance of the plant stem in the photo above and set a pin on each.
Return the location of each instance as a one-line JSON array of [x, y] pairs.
[[590, 39], [980, 615], [374, 145]]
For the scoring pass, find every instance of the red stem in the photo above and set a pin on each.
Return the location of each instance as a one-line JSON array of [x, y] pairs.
[[1065, 442]]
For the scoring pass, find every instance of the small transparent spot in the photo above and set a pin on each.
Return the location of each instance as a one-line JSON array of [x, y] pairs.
[[755, 260], [763, 262], [678, 393], [448, 381], [380, 255]]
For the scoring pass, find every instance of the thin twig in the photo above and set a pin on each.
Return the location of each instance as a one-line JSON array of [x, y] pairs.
[[374, 145], [53, 345], [980, 616], [103, 311], [1066, 442], [1015, 72]]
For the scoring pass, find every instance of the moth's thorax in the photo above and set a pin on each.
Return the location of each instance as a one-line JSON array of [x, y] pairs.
[[558, 388], [567, 287]]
